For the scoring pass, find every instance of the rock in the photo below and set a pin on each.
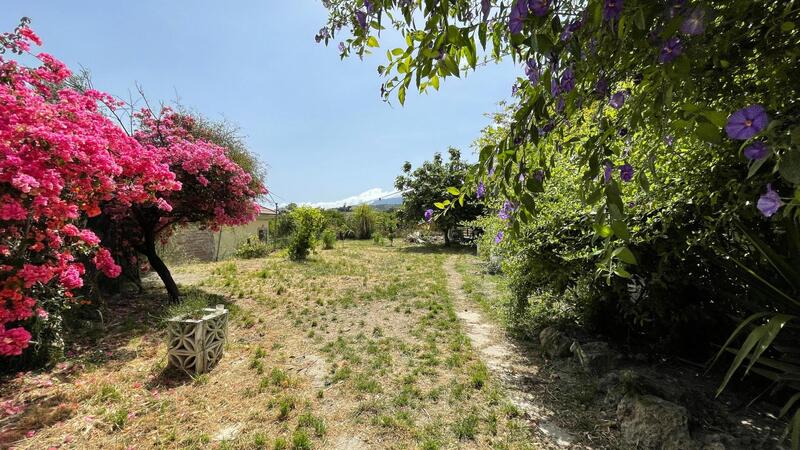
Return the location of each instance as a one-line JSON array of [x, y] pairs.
[[719, 441], [619, 383], [595, 357], [650, 422], [554, 343]]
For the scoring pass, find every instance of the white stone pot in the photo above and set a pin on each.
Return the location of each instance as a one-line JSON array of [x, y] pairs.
[[196, 344]]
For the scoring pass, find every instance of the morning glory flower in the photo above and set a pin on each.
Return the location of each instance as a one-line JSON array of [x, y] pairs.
[[670, 50], [499, 237], [560, 104], [769, 203], [486, 6], [626, 172], [607, 171], [516, 20], [567, 80], [428, 215], [532, 71], [507, 210], [601, 87], [746, 122], [554, 87], [539, 7], [693, 25], [755, 151], [481, 191], [617, 100], [361, 18], [612, 9]]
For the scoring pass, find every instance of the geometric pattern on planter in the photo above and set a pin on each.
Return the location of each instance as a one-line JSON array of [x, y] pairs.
[[195, 345]]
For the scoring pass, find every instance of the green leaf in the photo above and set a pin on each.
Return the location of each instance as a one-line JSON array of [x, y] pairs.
[[453, 191], [401, 94], [398, 51], [790, 166], [625, 255], [716, 117], [708, 132], [620, 229], [639, 19], [372, 42], [787, 27], [439, 205]]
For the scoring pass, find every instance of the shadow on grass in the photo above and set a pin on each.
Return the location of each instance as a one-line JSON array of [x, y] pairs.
[[453, 249]]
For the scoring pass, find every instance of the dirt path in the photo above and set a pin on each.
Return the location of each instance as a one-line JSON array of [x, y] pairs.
[[516, 367]]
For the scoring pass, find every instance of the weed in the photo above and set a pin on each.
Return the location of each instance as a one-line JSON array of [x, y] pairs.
[[308, 420], [300, 440], [479, 375], [466, 427]]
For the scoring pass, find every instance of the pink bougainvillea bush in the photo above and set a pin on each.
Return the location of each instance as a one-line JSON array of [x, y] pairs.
[[215, 191], [60, 160]]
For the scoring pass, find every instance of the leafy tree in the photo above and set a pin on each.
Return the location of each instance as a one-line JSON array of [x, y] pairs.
[[362, 221], [210, 190], [616, 86], [308, 224], [424, 188]]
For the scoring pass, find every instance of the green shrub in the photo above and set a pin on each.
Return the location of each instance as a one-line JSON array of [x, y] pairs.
[[308, 224], [328, 239], [252, 248], [363, 221]]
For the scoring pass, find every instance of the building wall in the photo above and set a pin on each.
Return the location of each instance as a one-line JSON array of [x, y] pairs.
[[193, 244]]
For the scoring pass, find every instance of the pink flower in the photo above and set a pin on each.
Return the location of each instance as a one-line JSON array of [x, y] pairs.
[[24, 183], [89, 237], [105, 262], [32, 274], [70, 230], [12, 210], [42, 313], [71, 278], [30, 35], [13, 341], [163, 205]]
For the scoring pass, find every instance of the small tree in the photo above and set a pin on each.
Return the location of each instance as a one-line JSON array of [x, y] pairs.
[[208, 188], [308, 223], [428, 184], [363, 221]]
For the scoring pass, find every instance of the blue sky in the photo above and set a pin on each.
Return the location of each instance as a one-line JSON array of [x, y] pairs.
[[317, 122]]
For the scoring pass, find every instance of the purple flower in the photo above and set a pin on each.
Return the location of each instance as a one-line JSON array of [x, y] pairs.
[[567, 80], [769, 203], [491, 171], [342, 48], [361, 18], [560, 104], [322, 35], [693, 25], [746, 122], [626, 172], [756, 150], [554, 87], [547, 128], [539, 7], [514, 89], [670, 50], [571, 28], [521, 177], [428, 215], [538, 175], [669, 140], [486, 6], [532, 71], [481, 191], [499, 237], [516, 20], [617, 100], [612, 9], [607, 171], [601, 87], [507, 210], [368, 5]]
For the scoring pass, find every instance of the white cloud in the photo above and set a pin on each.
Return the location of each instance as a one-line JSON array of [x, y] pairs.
[[364, 197]]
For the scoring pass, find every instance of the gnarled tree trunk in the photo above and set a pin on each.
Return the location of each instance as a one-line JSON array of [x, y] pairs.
[[148, 248]]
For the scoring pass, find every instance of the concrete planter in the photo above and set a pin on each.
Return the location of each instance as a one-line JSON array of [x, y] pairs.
[[195, 342]]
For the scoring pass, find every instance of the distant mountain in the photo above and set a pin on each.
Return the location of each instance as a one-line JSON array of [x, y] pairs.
[[386, 204]]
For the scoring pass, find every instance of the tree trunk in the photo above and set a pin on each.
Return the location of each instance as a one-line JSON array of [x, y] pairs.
[[149, 250], [447, 237]]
